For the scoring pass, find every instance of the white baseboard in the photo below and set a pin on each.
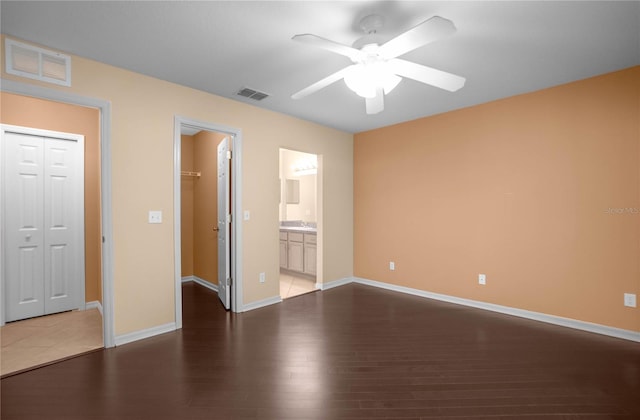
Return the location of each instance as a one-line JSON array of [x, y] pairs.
[[261, 303], [536, 316], [201, 282], [206, 284], [335, 283], [94, 304], [146, 333], [522, 313]]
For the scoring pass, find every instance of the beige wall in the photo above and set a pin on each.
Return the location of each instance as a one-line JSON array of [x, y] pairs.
[[143, 112], [56, 116], [518, 189], [187, 185]]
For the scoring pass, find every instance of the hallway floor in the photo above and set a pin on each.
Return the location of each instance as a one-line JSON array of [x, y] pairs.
[[38, 341], [291, 285]]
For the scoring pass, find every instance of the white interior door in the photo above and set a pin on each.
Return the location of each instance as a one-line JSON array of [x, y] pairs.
[[224, 223], [43, 200]]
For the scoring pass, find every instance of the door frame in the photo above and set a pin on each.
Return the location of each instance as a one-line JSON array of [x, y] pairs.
[[104, 109], [236, 210]]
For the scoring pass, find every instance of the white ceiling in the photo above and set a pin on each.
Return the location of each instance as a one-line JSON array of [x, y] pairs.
[[502, 48]]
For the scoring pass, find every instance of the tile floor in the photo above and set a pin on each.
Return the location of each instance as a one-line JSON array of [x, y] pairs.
[[291, 286], [37, 341]]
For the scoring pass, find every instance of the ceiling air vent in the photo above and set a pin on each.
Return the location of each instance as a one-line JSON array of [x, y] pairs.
[[37, 63], [252, 94]]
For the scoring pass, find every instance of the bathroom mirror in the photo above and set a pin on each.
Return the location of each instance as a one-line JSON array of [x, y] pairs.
[[293, 191]]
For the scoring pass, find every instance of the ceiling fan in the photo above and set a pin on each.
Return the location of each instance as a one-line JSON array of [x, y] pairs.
[[376, 70]]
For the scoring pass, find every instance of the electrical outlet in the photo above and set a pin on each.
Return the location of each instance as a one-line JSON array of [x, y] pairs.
[[392, 266], [262, 277], [482, 279], [630, 300]]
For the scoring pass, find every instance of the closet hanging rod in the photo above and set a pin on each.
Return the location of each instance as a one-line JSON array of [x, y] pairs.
[[190, 173]]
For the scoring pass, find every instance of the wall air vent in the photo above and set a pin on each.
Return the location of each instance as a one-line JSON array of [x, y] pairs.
[[252, 94], [37, 63]]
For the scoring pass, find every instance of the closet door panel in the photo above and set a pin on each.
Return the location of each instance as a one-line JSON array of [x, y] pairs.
[[23, 203], [61, 222]]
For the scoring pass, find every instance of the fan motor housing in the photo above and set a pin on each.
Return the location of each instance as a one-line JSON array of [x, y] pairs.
[[370, 25]]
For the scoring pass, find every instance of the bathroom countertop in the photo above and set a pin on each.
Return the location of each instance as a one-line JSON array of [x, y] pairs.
[[305, 229]]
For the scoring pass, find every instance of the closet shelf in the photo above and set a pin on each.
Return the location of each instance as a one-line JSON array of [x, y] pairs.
[[190, 173]]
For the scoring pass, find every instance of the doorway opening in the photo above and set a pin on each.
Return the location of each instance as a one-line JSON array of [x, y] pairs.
[[34, 339], [206, 204], [298, 223]]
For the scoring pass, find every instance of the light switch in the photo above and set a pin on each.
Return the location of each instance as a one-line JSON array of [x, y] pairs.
[[247, 215], [155, 216]]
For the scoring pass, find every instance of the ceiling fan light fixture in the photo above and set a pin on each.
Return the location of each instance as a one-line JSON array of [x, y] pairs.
[[365, 78], [376, 68]]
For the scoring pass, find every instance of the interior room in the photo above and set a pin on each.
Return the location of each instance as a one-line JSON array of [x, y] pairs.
[[466, 248]]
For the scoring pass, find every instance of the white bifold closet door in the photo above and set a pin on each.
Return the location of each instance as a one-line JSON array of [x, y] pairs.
[[43, 200]]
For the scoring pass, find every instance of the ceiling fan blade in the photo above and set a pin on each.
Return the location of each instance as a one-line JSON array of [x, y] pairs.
[[428, 31], [332, 78], [328, 45], [428, 75], [376, 104]]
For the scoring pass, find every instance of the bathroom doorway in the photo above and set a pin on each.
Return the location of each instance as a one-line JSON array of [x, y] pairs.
[[298, 223]]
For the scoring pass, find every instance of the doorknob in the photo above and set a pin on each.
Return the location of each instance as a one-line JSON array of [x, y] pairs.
[[216, 229]]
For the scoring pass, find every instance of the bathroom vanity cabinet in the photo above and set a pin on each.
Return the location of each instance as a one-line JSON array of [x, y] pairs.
[[298, 251]]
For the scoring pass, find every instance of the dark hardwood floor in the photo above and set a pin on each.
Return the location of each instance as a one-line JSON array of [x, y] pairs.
[[352, 352]]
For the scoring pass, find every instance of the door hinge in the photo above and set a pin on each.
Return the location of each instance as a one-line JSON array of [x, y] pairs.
[[229, 281], [228, 218], [229, 154], [103, 240]]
